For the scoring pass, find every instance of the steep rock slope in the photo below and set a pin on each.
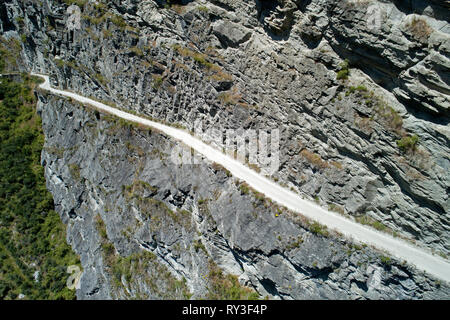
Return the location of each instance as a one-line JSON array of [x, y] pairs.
[[151, 228]]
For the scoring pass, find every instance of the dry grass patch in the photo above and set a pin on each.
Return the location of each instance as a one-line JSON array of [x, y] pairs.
[[419, 29], [314, 159]]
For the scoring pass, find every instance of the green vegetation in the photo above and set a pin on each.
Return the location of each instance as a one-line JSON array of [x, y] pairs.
[[216, 73], [101, 228], [32, 236], [391, 119], [106, 33], [295, 244], [336, 208], [227, 287], [219, 168], [83, 69], [202, 9], [74, 170], [408, 143], [245, 189], [100, 14], [387, 115], [318, 229], [137, 189], [138, 268], [385, 260], [154, 209], [20, 21], [371, 222], [353, 89], [344, 71], [198, 245], [175, 5], [259, 197], [198, 57], [157, 81], [9, 54], [144, 267], [100, 78], [137, 51], [234, 97], [118, 21]]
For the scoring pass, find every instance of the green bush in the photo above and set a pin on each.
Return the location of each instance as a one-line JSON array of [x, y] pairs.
[[342, 75], [408, 144], [319, 229], [30, 230], [344, 71], [157, 82], [227, 287], [118, 21], [198, 245], [245, 189], [366, 220], [9, 54], [385, 260]]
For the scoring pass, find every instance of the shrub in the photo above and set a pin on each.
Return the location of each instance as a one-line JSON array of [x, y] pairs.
[[295, 244], [75, 171], [353, 89], [106, 33], [30, 231], [137, 51], [245, 189], [342, 75], [387, 115], [118, 21], [318, 229], [366, 220], [336, 208], [20, 21], [385, 260], [157, 82], [100, 78], [218, 167], [408, 144], [198, 245], [227, 287], [344, 71], [101, 227]]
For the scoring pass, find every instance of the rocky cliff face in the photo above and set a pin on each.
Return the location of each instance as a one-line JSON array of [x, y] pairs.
[[151, 228], [347, 135]]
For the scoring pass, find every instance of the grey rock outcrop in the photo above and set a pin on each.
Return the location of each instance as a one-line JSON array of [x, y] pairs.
[[230, 34], [187, 215]]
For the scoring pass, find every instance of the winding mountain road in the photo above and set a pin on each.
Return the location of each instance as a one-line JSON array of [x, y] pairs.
[[423, 260]]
